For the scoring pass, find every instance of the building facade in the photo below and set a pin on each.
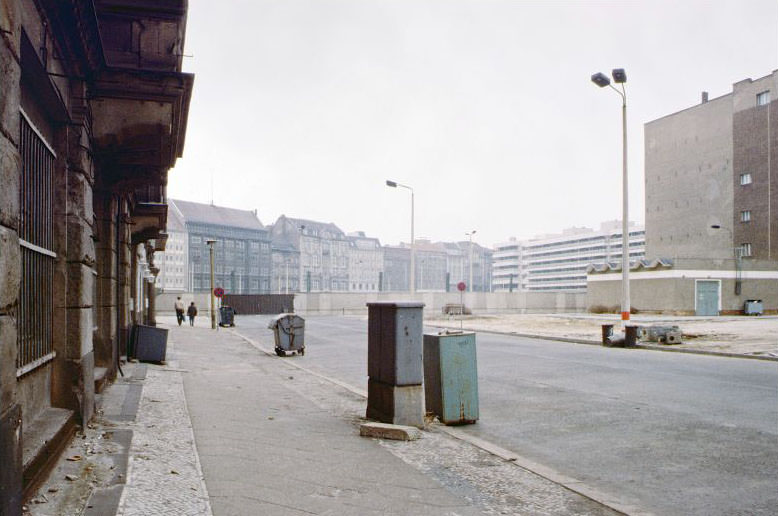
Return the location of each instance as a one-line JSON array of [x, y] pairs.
[[365, 264], [710, 207], [93, 111], [174, 260], [560, 262], [323, 251], [242, 258]]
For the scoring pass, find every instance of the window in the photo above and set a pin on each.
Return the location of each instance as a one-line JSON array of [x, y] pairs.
[[762, 99], [745, 249], [36, 238], [195, 239], [745, 216], [745, 179]]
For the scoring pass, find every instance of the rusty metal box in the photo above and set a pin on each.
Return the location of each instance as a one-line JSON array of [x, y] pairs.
[[451, 377]]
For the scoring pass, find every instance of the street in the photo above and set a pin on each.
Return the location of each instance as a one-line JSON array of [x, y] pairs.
[[666, 432]]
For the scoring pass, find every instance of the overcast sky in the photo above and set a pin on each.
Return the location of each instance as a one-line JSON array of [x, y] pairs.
[[307, 107]]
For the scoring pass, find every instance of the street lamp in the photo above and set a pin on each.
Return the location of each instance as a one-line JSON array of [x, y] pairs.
[[210, 243], [738, 259], [470, 281], [393, 184], [601, 80]]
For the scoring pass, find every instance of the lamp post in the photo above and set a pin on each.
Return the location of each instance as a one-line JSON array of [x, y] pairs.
[[393, 184], [210, 243], [470, 260], [738, 259], [601, 80]]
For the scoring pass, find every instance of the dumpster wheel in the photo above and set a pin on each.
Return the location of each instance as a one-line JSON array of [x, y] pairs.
[[280, 352], [302, 351]]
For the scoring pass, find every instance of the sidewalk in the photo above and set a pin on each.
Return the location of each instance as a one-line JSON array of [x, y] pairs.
[[272, 439]]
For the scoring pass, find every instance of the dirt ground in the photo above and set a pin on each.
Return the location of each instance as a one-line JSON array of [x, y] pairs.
[[736, 334]]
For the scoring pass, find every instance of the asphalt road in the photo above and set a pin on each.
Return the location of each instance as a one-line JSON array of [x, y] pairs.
[[669, 433]]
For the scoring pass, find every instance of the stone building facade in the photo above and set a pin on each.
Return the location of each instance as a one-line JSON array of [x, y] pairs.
[[93, 110], [323, 252], [366, 263], [242, 259]]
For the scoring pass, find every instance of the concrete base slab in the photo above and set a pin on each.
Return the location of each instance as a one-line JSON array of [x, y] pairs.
[[403, 405], [387, 431]]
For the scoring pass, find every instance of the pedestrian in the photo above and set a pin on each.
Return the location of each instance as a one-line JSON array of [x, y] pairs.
[[179, 305], [191, 312]]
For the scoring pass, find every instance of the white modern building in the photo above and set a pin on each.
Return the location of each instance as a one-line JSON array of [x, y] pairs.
[[173, 263], [559, 262]]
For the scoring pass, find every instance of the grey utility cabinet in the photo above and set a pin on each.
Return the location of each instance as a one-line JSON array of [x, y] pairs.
[[394, 342]]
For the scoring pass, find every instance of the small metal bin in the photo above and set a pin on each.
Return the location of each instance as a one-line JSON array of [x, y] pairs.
[[289, 333]]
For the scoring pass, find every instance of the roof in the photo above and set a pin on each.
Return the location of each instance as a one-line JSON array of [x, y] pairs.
[[634, 265], [217, 215]]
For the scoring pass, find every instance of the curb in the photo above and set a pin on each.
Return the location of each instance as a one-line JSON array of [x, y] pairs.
[[648, 347]]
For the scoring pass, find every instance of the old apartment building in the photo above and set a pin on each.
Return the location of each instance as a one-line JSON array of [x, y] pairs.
[[93, 111]]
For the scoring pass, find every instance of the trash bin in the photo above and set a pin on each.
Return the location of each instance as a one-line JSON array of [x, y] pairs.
[[607, 333], [289, 333], [226, 316], [630, 335], [148, 343], [753, 307], [451, 377]]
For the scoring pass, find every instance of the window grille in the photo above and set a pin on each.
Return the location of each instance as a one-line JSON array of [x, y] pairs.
[[36, 239]]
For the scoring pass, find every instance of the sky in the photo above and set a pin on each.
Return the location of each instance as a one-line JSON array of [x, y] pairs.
[[484, 107]]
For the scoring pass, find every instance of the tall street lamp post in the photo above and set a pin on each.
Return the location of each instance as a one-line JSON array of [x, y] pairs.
[[213, 301], [394, 184], [470, 260], [601, 80]]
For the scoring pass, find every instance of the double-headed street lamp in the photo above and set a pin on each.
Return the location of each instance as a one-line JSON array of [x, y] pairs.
[[393, 184], [470, 281], [602, 80]]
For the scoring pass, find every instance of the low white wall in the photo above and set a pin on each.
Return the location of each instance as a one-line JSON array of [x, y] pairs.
[[355, 303], [478, 302]]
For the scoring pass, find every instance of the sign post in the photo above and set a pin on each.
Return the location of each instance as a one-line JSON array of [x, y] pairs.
[[461, 286]]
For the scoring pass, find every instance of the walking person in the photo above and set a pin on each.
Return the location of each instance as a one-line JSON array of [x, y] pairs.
[[179, 306], [191, 312]]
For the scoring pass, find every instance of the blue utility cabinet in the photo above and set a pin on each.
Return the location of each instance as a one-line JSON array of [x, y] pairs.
[[451, 377]]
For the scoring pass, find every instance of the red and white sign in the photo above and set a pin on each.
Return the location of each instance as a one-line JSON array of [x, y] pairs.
[[218, 292], [461, 286]]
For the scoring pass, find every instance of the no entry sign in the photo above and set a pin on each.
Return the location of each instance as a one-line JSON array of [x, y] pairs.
[[461, 286]]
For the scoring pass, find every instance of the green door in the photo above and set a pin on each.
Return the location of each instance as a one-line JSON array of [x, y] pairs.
[[707, 297]]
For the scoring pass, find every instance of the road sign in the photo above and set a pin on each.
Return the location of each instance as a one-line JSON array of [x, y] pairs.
[[461, 286], [218, 292]]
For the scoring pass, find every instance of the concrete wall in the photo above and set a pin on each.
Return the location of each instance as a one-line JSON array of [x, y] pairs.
[[688, 182], [673, 291], [355, 303]]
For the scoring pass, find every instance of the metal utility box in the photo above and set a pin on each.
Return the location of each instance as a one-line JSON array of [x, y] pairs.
[[451, 377], [289, 333], [394, 343], [753, 307], [226, 316], [149, 343]]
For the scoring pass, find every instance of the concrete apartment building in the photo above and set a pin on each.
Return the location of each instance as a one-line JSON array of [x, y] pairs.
[[173, 262], [559, 262], [365, 264], [93, 112], [242, 258], [711, 224], [323, 251], [397, 268]]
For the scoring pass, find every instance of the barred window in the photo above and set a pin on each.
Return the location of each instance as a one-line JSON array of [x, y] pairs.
[[36, 239]]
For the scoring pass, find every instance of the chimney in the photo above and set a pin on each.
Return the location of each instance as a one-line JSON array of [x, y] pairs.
[[704, 97]]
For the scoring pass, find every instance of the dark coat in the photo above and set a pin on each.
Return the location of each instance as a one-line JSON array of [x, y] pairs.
[[191, 311]]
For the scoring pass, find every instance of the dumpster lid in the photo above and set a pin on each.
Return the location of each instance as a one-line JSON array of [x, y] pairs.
[[396, 304]]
